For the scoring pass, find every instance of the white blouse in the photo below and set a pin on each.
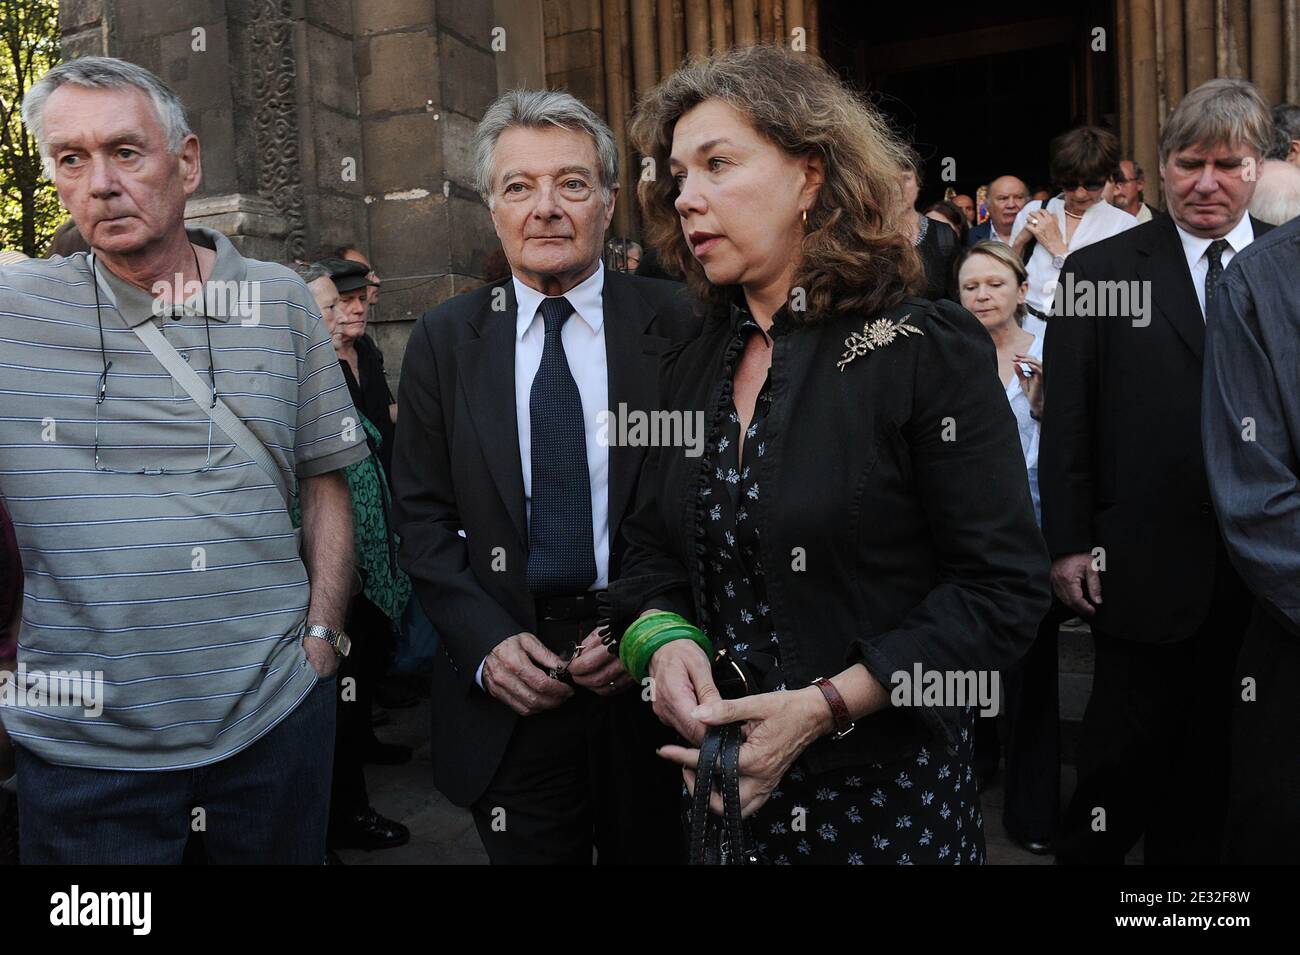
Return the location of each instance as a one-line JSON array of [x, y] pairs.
[[1101, 221]]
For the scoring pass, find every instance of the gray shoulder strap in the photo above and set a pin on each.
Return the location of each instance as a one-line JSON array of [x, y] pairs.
[[220, 413]]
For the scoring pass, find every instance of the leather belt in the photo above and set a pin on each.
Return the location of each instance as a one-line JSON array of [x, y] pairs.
[[569, 607]]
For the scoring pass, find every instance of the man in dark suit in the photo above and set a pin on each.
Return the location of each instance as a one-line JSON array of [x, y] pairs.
[[1126, 505], [510, 498], [1007, 196]]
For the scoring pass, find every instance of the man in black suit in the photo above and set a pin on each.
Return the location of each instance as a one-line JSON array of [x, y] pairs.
[[509, 500], [1126, 505]]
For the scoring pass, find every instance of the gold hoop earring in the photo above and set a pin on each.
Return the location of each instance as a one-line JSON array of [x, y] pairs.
[[805, 218]]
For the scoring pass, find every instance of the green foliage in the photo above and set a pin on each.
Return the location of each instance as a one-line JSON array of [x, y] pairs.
[[29, 45]]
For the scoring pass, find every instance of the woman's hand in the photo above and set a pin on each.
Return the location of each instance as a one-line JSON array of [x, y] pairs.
[[681, 679], [778, 727], [598, 670], [1031, 385], [1042, 225]]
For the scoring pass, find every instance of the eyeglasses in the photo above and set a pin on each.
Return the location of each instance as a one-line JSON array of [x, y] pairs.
[[102, 391], [1091, 185]]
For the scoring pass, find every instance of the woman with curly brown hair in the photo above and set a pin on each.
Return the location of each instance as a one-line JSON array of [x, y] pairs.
[[859, 516]]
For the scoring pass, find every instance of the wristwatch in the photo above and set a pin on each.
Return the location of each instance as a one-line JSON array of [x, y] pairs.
[[1058, 261], [337, 639], [839, 709]]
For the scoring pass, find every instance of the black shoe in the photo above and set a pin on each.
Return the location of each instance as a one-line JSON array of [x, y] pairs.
[[1039, 847], [385, 754], [394, 695], [369, 830]]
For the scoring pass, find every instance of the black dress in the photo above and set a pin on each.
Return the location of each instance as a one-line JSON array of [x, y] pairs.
[[922, 808]]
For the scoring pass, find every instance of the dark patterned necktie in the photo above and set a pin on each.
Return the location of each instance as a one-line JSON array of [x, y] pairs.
[[561, 551], [1215, 254]]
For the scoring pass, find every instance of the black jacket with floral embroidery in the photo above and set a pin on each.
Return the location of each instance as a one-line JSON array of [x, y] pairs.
[[897, 526]]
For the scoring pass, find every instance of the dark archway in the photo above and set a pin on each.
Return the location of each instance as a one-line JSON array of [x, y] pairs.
[[985, 85]]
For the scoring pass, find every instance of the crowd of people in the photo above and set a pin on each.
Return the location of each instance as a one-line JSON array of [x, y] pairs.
[[674, 646]]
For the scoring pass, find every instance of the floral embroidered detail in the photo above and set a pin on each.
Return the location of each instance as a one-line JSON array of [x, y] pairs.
[[875, 335]]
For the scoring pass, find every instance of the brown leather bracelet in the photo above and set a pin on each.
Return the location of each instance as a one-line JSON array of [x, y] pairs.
[[839, 709]]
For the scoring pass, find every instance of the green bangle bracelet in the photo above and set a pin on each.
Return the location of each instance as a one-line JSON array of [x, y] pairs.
[[636, 656], [646, 626], [632, 652], [652, 621], [648, 633]]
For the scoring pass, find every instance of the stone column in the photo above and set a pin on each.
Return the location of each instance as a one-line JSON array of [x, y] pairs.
[[1146, 119], [1266, 39], [425, 74]]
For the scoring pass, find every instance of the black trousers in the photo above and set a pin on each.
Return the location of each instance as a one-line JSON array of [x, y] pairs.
[[1264, 791], [584, 778], [1153, 756], [1032, 792], [1032, 805], [358, 674]]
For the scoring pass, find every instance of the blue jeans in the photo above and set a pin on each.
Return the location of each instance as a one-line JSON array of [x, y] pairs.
[[267, 804]]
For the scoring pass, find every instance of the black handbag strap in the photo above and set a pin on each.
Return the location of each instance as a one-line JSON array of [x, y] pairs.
[[1027, 252], [719, 759], [729, 762]]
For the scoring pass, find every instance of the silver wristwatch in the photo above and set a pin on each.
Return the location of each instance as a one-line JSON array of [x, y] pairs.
[[337, 639], [1058, 262]]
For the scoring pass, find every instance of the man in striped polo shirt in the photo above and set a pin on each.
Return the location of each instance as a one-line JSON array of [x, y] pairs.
[[163, 575]]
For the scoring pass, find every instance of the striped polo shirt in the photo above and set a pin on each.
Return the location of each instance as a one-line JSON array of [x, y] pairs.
[[158, 555]]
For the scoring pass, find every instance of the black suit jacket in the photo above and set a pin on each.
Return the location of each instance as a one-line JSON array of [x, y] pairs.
[[1120, 461], [456, 470]]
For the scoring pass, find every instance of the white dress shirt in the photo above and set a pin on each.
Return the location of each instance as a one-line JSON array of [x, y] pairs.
[[583, 337], [1100, 221], [1198, 263]]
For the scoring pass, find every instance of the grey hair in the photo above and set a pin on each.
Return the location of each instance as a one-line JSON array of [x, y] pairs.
[[105, 72], [540, 109], [1137, 167], [1277, 193], [1218, 112], [1286, 121], [310, 271]]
